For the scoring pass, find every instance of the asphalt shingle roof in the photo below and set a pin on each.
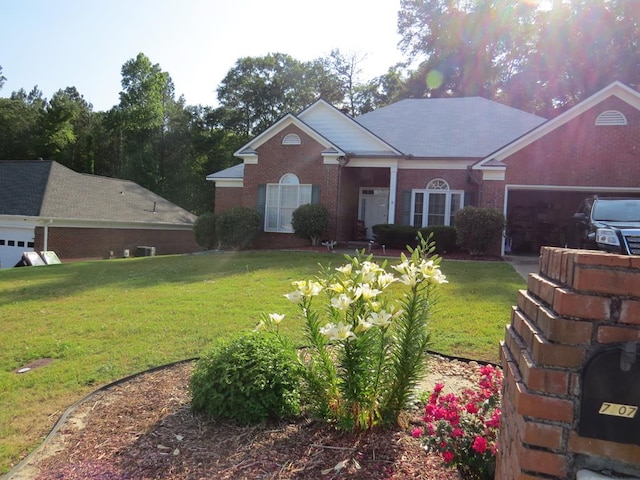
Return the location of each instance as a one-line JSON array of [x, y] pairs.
[[51, 190], [449, 127]]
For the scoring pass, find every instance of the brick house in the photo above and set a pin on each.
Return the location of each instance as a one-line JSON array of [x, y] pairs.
[[420, 160], [45, 206]]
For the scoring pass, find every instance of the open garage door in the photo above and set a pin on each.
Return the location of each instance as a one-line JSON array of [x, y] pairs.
[[13, 242], [539, 215]]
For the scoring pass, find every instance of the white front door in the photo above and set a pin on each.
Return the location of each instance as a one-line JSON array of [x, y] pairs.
[[374, 207], [14, 241]]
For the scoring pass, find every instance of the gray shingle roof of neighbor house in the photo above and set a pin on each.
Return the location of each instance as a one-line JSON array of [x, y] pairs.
[[449, 127], [50, 190], [237, 171]]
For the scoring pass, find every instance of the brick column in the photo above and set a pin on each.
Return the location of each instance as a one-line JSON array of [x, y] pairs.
[[579, 302]]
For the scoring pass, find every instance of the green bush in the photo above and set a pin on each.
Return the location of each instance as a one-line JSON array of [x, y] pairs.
[[204, 230], [395, 236], [249, 379], [311, 221], [236, 228], [478, 229], [443, 236]]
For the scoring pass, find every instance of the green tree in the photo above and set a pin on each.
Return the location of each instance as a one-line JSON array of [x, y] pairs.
[[467, 47], [259, 90], [21, 124], [2, 78]]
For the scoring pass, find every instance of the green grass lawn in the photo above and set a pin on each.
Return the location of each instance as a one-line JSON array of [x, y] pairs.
[[100, 321]]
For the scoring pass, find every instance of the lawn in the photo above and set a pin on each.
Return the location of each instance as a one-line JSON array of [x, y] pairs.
[[100, 321]]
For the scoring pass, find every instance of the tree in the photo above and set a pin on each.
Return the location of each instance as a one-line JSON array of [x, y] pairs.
[[2, 78], [468, 47], [21, 124], [145, 101], [260, 90]]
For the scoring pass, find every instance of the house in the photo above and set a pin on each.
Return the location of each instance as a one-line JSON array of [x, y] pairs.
[[418, 161], [45, 206]]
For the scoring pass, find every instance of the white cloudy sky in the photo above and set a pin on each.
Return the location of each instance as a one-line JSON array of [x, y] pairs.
[[84, 43]]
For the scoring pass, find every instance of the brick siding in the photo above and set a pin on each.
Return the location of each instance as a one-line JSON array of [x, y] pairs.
[[98, 243]]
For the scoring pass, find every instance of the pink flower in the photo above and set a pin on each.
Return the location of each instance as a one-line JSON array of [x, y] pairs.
[[480, 444], [472, 408], [457, 432], [438, 388], [447, 456], [416, 433]]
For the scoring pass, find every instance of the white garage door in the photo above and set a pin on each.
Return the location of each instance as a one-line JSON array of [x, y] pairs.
[[13, 242]]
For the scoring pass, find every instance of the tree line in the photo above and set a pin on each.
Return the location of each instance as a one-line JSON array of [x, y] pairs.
[[541, 60]]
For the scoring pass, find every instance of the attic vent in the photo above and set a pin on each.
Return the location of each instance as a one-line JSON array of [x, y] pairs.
[[611, 117], [291, 139]]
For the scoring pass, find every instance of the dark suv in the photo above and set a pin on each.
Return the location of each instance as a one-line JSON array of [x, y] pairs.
[[607, 223]]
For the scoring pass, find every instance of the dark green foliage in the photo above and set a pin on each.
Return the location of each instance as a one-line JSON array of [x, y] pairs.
[[311, 221], [443, 236], [478, 229], [236, 228], [249, 379], [395, 236], [205, 231]]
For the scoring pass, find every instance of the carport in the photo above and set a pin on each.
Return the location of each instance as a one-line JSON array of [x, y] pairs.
[[538, 215]]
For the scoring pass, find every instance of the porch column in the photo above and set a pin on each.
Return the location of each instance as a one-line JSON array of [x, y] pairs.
[[393, 183]]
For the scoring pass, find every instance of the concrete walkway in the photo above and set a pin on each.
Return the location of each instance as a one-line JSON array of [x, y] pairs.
[[524, 264]]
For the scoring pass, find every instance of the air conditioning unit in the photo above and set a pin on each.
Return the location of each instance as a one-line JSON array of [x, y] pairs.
[[143, 251]]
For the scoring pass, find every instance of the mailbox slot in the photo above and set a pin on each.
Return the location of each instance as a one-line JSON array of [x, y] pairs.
[[610, 402]]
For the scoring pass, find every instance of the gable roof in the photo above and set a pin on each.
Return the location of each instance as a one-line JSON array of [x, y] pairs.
[[237, 171], [449, 127], [617, 89], [48, 189]]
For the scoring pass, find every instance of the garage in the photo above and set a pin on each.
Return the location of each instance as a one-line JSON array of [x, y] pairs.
[[540, 215], [13, 242]]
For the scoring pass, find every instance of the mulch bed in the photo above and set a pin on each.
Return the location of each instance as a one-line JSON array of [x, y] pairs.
[[144, 429]]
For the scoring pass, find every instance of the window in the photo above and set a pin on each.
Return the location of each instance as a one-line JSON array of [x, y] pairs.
[[435, 205], [282, 199]]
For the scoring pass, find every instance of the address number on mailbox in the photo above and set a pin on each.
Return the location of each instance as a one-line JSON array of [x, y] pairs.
[[618, 410]]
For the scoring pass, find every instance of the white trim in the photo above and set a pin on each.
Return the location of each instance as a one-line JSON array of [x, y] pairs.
[[494, 174], [425, 205], [617, 89], [248, 158], [434, 164], [291, 139], [11, 220], [228, 182]]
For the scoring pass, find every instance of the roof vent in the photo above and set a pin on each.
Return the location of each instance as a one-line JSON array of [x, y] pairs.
[[291, 139], [611, 117]]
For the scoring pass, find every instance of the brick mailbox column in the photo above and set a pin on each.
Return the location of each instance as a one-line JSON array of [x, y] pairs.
[[579, 305]]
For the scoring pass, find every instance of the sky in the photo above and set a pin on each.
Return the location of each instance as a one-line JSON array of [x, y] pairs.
[[56, 44]]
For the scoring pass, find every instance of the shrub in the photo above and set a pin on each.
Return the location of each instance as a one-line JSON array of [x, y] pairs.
[[443, 236], [463, 429], [311, 221], [248, 379], [204, 230], [478, 228], [366, 351], [395, 236], [236, 228]]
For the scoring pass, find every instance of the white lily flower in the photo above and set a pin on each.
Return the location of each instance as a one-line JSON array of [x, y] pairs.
[[345, 269], [380, 319], [385, 279], [337, 332], [295, 297], [341, 302], [276, 318], [365, 291], [363, 325]]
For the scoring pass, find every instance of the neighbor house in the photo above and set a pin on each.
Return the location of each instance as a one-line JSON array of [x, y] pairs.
[[45, 206], [418, 161]]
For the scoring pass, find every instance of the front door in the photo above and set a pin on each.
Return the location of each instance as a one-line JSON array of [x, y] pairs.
[[374, 207]]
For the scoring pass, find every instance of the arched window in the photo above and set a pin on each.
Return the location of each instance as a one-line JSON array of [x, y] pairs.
[[435, 205], [281, 201], [291, 139], [611, 117]]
